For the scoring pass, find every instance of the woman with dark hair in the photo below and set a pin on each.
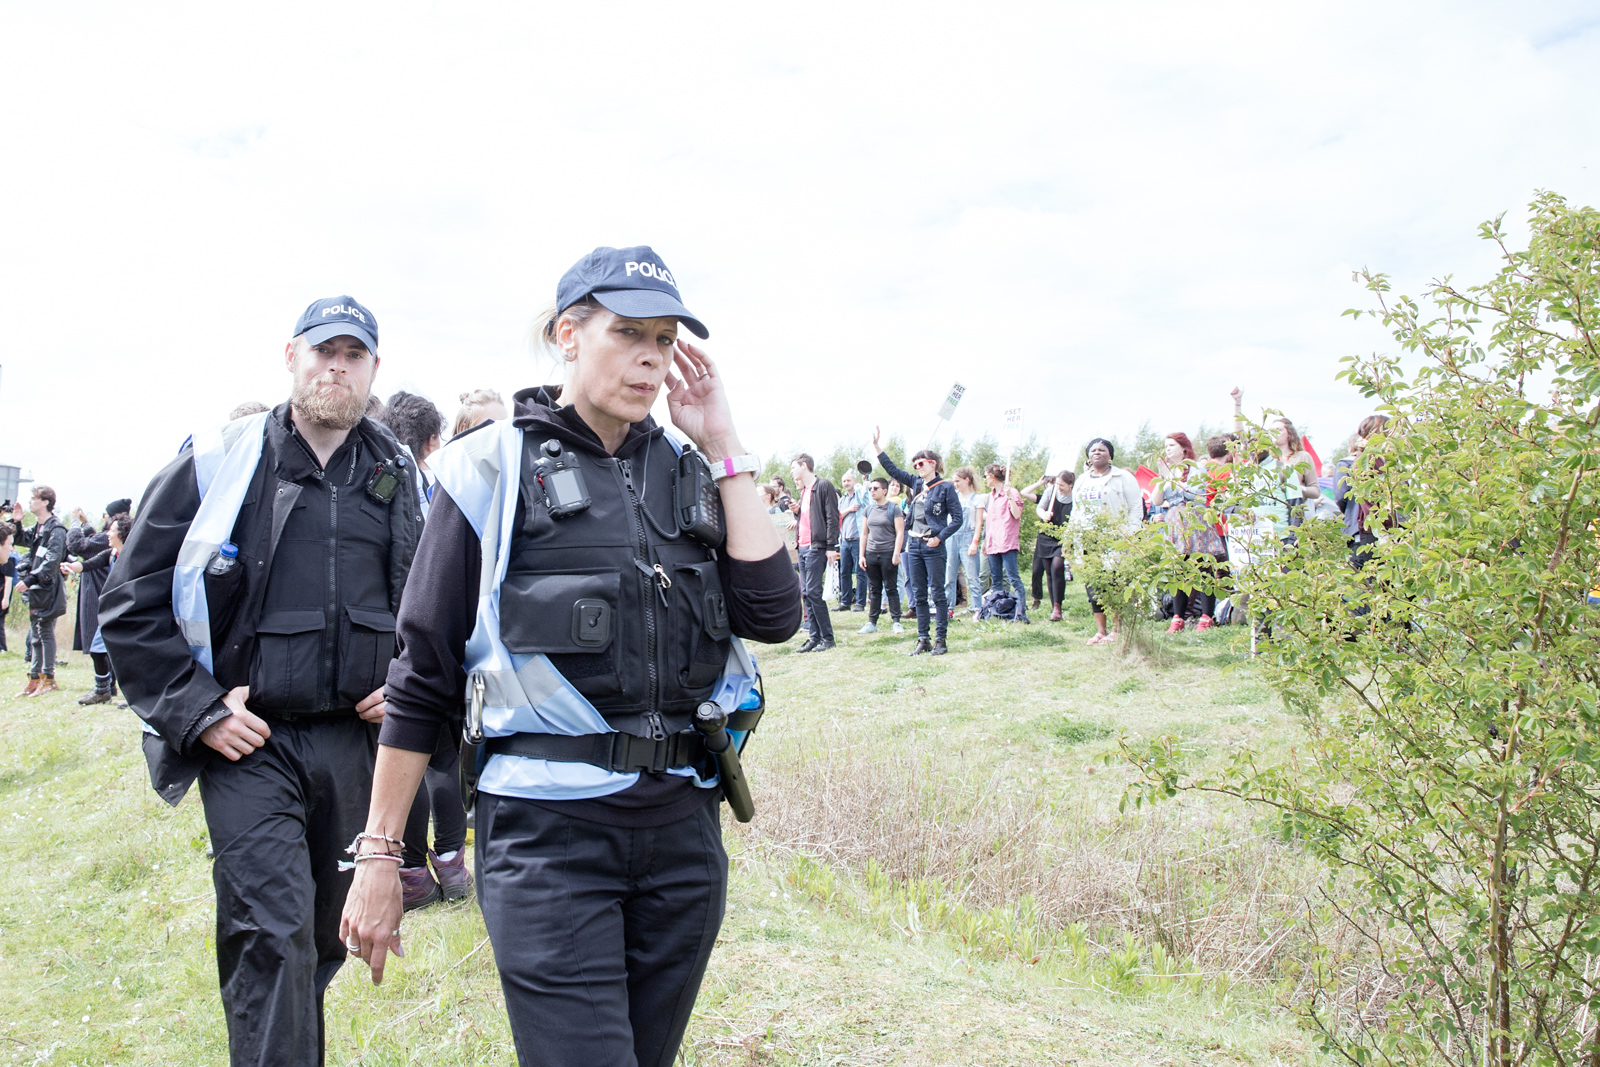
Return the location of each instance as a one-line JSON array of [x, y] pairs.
[[883, 534], [1055, 508], [92, 567], [590, 629], [1103, 488], [933, 514], [116, 534], [1002, 523]]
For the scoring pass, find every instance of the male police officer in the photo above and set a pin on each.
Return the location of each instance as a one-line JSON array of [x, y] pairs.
[[263, 673]]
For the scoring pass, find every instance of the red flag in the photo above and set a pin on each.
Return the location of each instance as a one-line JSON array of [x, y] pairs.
[[1316, 460], [1146, 478]]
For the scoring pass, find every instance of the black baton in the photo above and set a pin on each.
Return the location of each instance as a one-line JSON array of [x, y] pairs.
[[712, 722]]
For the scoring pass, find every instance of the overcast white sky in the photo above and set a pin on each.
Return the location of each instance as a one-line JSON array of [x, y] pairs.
[[1104, 215]]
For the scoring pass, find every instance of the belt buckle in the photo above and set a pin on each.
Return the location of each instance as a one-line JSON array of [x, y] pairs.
[[625, 760]]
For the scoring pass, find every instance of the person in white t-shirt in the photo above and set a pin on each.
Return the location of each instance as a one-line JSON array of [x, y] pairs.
[[1105, 488]]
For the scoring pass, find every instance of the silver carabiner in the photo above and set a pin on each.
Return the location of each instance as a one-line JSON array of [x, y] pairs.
[[474, 725]]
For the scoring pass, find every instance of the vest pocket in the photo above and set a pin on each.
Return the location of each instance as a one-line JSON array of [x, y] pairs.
[[572, 618], [700, 625], [283, 671], [368, 648]]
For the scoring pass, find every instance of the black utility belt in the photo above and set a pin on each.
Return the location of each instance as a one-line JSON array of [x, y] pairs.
[[620, 753], [339, 715]]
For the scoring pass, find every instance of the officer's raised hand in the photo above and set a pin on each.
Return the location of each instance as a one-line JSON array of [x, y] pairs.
[[239, 734], [372, 706], [697, 401]]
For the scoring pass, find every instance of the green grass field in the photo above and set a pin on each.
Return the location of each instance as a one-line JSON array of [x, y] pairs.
[[937, 874]]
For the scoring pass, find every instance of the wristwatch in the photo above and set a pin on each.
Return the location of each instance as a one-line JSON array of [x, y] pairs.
[[727, 468]]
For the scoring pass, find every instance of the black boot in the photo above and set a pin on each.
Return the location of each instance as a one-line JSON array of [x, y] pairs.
[[939, 648], [920, 647]]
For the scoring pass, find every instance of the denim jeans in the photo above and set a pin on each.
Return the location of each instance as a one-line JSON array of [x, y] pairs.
[[42, 635], [852, 573], [926, 568], [955, 560], [1003, 571]]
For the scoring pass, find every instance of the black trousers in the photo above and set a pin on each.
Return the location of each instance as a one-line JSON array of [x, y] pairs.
[[883, 574], [925, 567], [280, 819], [1040, 565], [601, 933], [439, 795], [813, 571]]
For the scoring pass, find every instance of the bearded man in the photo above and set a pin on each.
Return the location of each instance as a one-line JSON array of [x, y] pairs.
[[250, 618]]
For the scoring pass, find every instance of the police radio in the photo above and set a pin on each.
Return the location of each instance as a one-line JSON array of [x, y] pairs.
[[697, 502], [565, 492]]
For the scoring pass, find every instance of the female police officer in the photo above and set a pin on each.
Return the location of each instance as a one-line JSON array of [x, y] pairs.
[[557, 588]]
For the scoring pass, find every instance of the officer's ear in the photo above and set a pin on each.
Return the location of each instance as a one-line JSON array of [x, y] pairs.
[[288, 357]]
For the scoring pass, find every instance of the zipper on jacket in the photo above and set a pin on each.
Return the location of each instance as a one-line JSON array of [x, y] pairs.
[[648, 577], [329, 647]]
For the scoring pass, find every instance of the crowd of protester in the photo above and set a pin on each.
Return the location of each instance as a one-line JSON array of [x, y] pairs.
[[928, 547]]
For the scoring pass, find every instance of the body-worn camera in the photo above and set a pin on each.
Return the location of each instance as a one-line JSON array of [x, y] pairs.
[[385, 480], [697, 501], [565, 492]]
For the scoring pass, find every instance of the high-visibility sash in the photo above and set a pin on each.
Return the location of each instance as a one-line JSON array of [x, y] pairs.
[[225, 461]]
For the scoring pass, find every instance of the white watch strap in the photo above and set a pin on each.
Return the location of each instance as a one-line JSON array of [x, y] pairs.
[[727, 468]]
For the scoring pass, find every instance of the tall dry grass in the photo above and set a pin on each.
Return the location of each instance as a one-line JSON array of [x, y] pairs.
[[1213, 890]]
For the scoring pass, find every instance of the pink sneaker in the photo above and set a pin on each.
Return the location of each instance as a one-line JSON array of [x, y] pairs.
[[1177, 626], [1204, 624]]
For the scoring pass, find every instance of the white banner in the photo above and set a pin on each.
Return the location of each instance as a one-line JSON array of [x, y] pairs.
[[1013, 430], [947, 410]]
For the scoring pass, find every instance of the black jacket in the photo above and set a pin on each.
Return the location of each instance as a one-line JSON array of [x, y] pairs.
[[941, 510], [47, 588], [586, 591], [824, 515], [94, 552], [282, 655]]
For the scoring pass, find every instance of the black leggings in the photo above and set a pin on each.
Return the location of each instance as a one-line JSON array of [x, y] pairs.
[[104, 679], [1193, 603], [883, 574], [439, 794]]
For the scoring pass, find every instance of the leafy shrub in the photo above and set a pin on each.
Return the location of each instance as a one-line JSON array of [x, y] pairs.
[[1450, 685]]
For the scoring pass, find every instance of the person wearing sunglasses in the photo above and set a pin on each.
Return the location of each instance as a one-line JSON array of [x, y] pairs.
[[933, 514]]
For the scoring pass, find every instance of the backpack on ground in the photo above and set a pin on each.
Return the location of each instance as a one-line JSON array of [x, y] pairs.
[[997, 604]]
